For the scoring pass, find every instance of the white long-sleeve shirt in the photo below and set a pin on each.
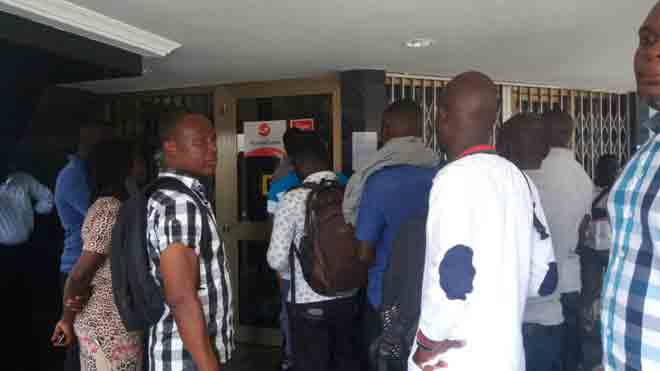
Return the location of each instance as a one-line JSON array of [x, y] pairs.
[[567, 193], [544, 310], [484, 258], [17, 194]]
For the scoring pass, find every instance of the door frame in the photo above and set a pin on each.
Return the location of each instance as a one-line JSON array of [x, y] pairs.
[[226, 98]]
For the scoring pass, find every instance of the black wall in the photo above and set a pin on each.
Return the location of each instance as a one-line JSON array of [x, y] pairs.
[[39, 124], [363, 101], [34, 56]]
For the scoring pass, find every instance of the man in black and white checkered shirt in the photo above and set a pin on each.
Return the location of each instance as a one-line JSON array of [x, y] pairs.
[[196, 331]]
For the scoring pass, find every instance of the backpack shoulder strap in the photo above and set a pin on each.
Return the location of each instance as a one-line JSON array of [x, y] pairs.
[[540, 228], [173, 184], [603, 193]]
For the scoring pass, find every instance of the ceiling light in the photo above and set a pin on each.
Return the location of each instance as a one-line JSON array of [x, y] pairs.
[[420, 42]]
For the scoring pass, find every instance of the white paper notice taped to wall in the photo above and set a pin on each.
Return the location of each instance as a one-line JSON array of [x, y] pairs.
[[264, 138], [240, 142], [365, 145]]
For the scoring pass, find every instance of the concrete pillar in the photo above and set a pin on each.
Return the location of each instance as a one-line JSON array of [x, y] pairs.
[[363, 101]]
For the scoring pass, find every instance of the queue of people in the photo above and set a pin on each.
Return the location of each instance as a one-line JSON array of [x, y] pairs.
[[494, 258], [488, 256], [186, 258]]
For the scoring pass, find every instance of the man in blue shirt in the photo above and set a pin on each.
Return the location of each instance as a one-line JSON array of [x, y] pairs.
[[629, 315], [393, 194], [72, 201]]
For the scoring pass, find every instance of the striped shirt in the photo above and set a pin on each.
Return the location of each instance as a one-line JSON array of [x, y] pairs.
[[20, 197], [630, 313], [173, 217]]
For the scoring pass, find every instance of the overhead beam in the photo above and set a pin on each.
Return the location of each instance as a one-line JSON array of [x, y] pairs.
[[27, 33], [78, 20]]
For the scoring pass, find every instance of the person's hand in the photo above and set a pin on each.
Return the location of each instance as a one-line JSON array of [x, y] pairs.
[[76, 304], [279, 279], [585, 230], [422, 357], [63, 335]]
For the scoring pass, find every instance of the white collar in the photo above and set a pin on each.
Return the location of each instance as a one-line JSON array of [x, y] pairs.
[[319, 176]]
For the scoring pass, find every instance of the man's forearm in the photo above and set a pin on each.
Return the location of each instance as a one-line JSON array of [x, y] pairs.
[[191, 322]]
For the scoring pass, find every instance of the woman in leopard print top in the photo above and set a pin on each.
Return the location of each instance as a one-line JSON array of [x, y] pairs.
[[105, 344]]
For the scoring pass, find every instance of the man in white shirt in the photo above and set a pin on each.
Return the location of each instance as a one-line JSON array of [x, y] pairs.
[[566, 192], [523, 142], [20, 197], [323, 328], [484, 256]]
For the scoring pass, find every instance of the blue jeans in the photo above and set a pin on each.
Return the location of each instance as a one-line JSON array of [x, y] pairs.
[[543, 346], [284, 318]]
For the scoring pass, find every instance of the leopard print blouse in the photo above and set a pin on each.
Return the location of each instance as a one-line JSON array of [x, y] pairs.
[[99, 322]]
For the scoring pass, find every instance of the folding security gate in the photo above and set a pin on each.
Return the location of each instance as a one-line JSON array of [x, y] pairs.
[[602, 118]]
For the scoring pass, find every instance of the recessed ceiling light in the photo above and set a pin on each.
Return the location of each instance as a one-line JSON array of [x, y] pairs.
[[420, 42]]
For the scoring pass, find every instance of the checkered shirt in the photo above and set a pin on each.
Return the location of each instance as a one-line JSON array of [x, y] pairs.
[[631, 291], [173, 217]]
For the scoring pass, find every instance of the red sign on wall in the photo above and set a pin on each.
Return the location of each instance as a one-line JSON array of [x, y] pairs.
[[302, 124], [264, 129]]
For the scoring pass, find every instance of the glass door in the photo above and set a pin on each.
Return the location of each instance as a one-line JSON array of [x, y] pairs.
[[243, 178]]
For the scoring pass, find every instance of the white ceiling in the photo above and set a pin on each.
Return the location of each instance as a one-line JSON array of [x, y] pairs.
[[570, 43]]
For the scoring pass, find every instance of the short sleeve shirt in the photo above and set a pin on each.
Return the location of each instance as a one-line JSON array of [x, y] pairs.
[[174, 217]]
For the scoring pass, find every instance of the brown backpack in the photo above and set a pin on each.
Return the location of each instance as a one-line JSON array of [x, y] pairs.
[[328, 252]]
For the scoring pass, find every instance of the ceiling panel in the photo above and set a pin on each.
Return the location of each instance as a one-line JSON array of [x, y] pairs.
[[581, 44]]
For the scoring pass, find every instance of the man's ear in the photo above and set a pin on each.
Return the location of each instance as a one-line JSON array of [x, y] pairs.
[[384, 132], [442, 116], [169, 147]]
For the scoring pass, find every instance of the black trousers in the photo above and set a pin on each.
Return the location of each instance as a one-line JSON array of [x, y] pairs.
[[572, 346], [372, 328], [72, 358], [323, 335], [16, 288], [594, 264]]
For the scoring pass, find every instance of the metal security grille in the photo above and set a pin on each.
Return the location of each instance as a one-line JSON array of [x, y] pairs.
[[426, 92], [602, 119], [136, 116]]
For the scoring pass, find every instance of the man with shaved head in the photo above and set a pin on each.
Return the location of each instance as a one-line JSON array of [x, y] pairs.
[[630, 314], [391, 188], [484, 255], [522, 141], [566, 191], [196, 329]]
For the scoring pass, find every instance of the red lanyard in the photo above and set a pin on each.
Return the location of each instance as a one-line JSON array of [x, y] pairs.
[[482, 148]]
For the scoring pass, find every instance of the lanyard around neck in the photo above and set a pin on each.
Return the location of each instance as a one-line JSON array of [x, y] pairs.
[[482, 148]]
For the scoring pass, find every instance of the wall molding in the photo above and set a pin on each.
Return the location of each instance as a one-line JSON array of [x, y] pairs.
[[81, 21]]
